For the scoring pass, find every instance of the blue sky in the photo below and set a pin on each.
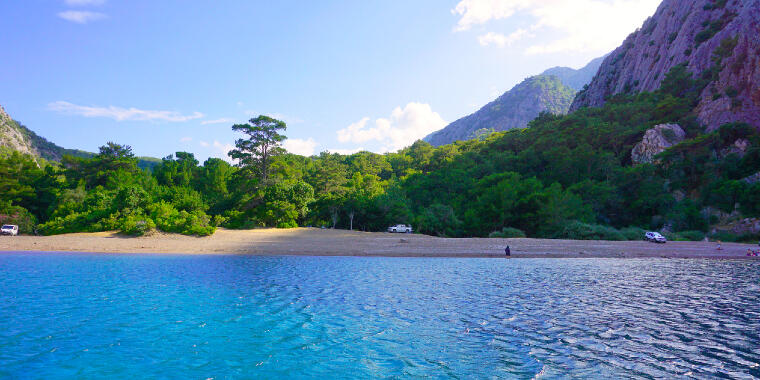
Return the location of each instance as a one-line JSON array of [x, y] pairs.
[[166, 76]]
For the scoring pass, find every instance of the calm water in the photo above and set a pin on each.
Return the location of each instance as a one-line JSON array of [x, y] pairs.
[[200, 317]]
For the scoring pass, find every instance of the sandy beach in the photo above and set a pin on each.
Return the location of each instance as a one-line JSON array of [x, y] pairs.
[[318, 242]]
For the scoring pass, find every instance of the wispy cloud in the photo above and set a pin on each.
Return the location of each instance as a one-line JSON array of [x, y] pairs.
[[83, 3], [186, 139], [121, 114], [574, 24], [224, 120], [286, 118], [300, 146], [81, 17]]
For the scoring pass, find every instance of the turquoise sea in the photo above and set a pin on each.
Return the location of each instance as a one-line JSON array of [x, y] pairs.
[[86, 316]]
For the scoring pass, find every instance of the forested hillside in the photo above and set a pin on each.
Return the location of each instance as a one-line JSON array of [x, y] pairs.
[[563, 177]]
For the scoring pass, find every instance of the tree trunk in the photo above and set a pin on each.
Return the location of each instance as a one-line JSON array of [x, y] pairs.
[[351, 219]]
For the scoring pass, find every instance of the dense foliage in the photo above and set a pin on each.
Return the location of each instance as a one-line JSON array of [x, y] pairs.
[[562, 177]]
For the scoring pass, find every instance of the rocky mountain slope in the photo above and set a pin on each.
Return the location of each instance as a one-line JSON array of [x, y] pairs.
[[16, 137], [514, 109], [717, 40], [552, 91]]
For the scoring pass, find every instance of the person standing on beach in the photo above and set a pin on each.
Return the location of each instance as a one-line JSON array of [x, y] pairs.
[[506, 250]]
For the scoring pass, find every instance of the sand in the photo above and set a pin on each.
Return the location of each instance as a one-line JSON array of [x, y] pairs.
[[318, 242]]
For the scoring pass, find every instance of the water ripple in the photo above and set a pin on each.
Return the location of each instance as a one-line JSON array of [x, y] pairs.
[[126, 316]]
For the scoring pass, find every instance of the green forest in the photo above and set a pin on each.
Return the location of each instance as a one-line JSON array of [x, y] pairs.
[[565, 176]]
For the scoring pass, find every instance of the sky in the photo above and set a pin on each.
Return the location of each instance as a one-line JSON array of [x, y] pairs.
[[175, 75]]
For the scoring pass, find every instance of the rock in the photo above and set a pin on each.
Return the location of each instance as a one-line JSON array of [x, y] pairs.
[[679, 195], [753, 179], [655, 141], [692, 33], [746, 226], [739, 147]]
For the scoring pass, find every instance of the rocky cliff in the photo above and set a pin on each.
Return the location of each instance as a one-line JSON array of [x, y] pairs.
[[717, 40]]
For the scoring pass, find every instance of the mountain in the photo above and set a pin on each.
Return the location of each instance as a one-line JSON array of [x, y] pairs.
[[551, 91], [573, 78], [716, 40], [514, 109], [14, 136]]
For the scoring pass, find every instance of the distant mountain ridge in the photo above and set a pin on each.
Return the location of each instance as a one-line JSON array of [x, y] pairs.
[[576, 79], [717, 40], [16, 137], [551, 91]]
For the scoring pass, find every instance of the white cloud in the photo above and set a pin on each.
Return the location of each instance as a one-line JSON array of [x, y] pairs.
[[405, 125], [186, 139], [203, 143], [218, 121], [299, 146], [502, 40], [81, 17], [582, 25], [81, 3], [121, 114]]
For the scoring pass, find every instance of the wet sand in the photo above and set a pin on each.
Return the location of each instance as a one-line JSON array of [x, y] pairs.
[[318, 242]]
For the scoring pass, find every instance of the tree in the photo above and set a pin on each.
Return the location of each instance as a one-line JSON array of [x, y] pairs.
[[262, 144]]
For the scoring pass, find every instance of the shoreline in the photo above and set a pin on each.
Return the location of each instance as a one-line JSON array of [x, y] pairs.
[[319, 242]]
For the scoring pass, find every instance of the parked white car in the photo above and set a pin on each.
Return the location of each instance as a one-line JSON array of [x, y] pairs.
[[9, 229], [655, 237], [400, 228]]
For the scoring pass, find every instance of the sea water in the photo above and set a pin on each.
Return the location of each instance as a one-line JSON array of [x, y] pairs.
[[225, 317]]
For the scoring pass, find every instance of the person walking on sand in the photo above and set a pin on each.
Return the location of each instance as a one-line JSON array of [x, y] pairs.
[[507, 251], [719, 248]]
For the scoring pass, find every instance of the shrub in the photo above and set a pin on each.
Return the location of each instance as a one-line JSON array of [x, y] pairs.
[[136, 225], [633, 233], [575, 230], [731, 237], [168, 219], [692, 235], [507, 232]]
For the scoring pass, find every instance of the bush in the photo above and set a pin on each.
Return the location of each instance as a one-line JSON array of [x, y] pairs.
[[692, 235], [136, 225], [731, 237], [575, 230], [672, 236], [507, 232], [168, 219], [633, 233], [288, 224]]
